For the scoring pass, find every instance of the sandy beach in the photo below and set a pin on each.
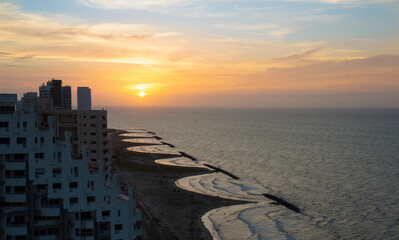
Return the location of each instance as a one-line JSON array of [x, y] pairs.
[[168, 211]]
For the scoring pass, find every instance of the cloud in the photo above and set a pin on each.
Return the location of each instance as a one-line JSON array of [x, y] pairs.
[[26, 57], [151, 5], [30, 35], [343, 1], [159, 5], [373, 74], [300, 56]]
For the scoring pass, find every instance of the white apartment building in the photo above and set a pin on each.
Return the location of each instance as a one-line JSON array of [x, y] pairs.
[[47, 191], [84, 98]]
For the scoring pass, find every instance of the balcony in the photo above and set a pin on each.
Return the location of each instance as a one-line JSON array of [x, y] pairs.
[[46, 223], [15, 181], [14, 209], [86, 224], [50, 211], [14, 165], [16, 229], [15, 197]]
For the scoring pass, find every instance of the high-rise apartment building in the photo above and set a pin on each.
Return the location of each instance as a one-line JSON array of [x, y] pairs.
[[88, 128], [46, 188], [84, 98], [61, 95]]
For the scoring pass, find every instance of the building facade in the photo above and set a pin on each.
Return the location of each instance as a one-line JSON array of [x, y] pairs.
[[84, 98], [47, 190], [61, 95]]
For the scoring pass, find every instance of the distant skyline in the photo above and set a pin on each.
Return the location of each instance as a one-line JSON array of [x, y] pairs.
[[221, 53]]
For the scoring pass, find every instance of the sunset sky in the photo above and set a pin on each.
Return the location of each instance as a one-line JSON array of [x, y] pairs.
[[220, 53]]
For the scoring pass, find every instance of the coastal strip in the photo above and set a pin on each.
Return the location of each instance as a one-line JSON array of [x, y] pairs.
[[168, 211], [282, 202]]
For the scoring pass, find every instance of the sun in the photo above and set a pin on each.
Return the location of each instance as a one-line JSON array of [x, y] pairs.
[[142, 94]]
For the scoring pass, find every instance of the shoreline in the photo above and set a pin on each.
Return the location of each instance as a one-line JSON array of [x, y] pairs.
[[168, 212]]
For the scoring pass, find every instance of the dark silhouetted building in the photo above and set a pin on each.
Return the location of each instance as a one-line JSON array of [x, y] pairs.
[[61, 95], [84, 98]]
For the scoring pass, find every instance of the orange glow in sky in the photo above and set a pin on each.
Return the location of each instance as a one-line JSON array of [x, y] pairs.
[[142, 94], [300, 53]]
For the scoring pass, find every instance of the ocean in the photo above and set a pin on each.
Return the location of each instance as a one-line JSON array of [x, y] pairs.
[[340, 167]]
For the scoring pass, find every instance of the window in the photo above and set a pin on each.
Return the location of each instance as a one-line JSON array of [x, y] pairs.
[[21, 140], [56, 172], [24, 124], [118, 227], [93, 151], [36, 140], [92, 125], [20, 157], [3, 124], [42, 140], [119, 213], [39, 155], [90, 199], [93, 142], [19, 189], [7, 108], [105, 213], [41, 187], [57, 185], [15, 173], [92, 117], [5, 141], [73, 185], [93, 134], [73, 201], [39, 171]]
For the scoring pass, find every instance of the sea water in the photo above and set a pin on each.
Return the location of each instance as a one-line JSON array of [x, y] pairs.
[[340, 167]]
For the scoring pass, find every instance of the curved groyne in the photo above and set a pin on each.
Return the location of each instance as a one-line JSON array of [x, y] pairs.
[[222, 171], [188, 156], [282, 202], [168, 144]]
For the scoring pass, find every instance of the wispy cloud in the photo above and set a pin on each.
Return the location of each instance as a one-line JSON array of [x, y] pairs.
[[342, 1], [26, 57], [151, 5], [300, 56], [33, 35]]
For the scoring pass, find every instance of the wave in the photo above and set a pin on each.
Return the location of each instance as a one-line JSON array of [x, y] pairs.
[[155, 149], [137, 135], [263, 217], [180, 162], [143, 140], [220, 185]]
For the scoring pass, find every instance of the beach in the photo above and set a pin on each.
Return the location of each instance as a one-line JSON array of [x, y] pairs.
[[168, 212]]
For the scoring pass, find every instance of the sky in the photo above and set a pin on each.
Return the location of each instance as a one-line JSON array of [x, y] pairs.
[[216, 53]]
